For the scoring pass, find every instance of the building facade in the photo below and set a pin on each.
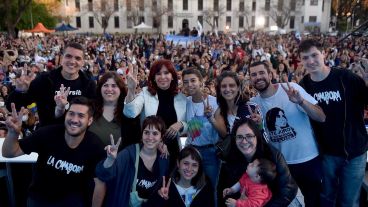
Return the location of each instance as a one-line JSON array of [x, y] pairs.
[[173, 15]]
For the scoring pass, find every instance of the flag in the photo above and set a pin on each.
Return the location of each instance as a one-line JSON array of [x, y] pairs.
[[200, 28]]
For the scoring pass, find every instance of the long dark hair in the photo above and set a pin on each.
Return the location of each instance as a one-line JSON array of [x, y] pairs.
[[221, 100], [199, 180], [155, 68], [99, 100]]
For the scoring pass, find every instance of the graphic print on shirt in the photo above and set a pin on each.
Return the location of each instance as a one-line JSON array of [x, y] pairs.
[[278, 126], [63, 165], [146, 183], [194, 127], [327, 96]]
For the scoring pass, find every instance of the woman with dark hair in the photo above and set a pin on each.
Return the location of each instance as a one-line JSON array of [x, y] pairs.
[[160, 98], [283, 73], [122, 172], [188, 185], [247, 145]]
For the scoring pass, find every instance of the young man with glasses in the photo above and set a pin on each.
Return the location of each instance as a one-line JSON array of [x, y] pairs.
[[46, 86], [286, 108]]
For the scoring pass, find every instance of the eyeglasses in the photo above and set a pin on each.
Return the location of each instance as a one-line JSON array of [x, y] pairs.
[[248, 137]]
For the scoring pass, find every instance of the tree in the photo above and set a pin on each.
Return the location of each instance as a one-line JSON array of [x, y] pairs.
[[157, 14], [102, 12], [282, 11], [349, 10], [246, 13], [209, 16], [39, 14], [13, 11]]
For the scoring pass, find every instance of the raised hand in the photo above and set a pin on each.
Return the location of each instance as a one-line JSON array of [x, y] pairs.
[[207, 108], [132, 80], [14, 121], [254, 115], [61, 98], [293, 94], [112, 149], [164, 190]]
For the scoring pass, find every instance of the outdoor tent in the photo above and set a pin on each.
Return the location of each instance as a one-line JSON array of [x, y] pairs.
[[40, 28], [142, 26], [71, 27], [64, 28]]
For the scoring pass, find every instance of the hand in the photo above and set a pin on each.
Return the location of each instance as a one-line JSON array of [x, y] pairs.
[[173, 130], [164, 190], [293, 94], [112, 150], [163, 149], [132, 81], [207, 108], [61, 98], [254, 115], [230, 202], [14, 121], [226, 191]]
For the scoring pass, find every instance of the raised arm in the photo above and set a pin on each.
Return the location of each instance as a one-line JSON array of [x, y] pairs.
[[11, 146]]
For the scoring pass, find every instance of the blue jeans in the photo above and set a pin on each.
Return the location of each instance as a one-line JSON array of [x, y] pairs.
[[211, 166], [342, 180]]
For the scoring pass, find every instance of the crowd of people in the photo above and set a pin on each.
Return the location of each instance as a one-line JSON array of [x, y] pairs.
[[262, 115]]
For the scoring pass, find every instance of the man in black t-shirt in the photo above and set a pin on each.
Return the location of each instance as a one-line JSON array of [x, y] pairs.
[[67, 157], [46, 86], [343, 139]]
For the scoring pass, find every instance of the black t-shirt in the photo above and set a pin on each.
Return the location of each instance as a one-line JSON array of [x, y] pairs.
[[147, 180], [62, 171]]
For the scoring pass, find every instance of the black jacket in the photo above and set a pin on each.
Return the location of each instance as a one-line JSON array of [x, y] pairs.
[[342, 95], [203, 198], [42, 92], [283, 188]]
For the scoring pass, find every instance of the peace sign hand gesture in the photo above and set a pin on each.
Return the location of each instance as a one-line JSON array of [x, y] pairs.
[[293, 94], [112, 150], [14, 122], [254, 115], [207, 108], [61, 98], [164, 190], [132, 80]]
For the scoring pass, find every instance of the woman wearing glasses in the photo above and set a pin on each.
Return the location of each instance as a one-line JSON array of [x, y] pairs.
[[249, 145]]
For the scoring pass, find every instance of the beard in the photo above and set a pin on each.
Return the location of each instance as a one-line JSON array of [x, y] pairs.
[[266, 85]]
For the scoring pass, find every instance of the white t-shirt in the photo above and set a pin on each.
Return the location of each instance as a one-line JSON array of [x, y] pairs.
[[288, 126], [186, 194], [200, 130]]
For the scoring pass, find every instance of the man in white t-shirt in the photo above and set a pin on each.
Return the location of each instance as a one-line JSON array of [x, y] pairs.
[[287, 109]]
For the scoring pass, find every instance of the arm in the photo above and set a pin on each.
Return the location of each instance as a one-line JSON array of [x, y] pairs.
[[235, 188], [219, 123], [98, 193], [133, 108], [315, 112]]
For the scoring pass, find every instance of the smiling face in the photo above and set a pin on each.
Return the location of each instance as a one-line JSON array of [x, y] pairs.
[[313, 60], [110, 91], [188, 168], [77, 120], [229, 89], [151, 137], [260, 78], [163, 78], [72, 62], [247, 146], [192, 84]]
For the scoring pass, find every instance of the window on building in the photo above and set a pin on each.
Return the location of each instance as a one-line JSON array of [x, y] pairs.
[[253, 23], [314, 2], [116, 5], [312, 18], [170, 21], [90, 5], [103, 6], [129, 5], [228, 21], [292, 22], [154, 5], [141, 5], [91, 22], [302, 19], [78, 22], [215, 20], [200, 5], [241, 6], [241, 21], [129, 22], [200, 19], [254, 6], [228, 5], [267, 21], [156, 22], [170, 5], [280, 4], [141, 19], [292, 5], [279, 21], [303, 2], [216, 5], [116, 22], [267, 5], [323, 5], [77, 5], [185, 5]]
